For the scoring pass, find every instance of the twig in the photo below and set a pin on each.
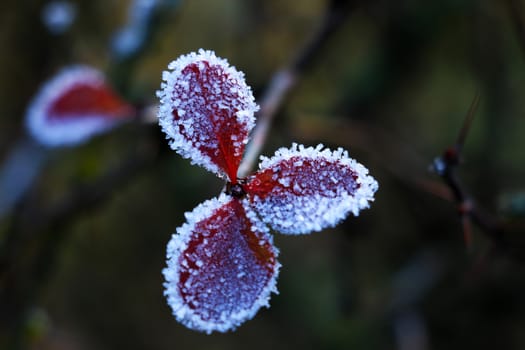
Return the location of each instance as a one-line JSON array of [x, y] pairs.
[[279, 86], [467, 123], [285, 79], [18, 172], [446, 166], [409, 287]]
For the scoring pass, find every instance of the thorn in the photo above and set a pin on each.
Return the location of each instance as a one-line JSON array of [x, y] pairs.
[[467, 122]]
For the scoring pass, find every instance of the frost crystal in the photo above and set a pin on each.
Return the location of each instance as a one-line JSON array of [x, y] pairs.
[[208, 111], [222, 264], [73, 106]]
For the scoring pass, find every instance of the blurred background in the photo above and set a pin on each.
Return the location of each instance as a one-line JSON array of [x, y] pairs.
[[391, 81]]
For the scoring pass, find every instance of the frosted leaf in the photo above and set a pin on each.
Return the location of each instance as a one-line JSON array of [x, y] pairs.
[[222, 266], [300, 190], [73, 106], [207, 110]]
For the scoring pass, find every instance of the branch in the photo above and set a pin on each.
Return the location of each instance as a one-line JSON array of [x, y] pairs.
[[19, 171], [287, 78], [446, 167]]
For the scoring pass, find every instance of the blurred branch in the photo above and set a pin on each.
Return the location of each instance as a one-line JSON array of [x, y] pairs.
[[410, 331], [409, 287], [19, 171], [144, 18], [132, 41], [287, 78]]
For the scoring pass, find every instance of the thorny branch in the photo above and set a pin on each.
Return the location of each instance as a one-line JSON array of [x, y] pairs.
[[446, 167]]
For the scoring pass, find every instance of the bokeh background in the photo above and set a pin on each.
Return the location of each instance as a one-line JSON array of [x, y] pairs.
[[82, 253]]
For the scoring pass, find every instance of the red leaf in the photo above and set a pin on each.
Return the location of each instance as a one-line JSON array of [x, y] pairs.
[[301, 190], [208, 111], [85, 99], [73, 106], [222, 266]]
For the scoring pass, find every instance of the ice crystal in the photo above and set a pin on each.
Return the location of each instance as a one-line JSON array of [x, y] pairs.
[[73, 106], [222, 264]]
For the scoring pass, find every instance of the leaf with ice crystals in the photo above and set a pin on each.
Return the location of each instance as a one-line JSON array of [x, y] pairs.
[[207, 110], [73, 106], [222, 266], [300, 190]]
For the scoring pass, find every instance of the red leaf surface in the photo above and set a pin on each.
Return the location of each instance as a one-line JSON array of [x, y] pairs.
[[301, 190], [208, 111], [222, 266], [84, 99], [73, 106]]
